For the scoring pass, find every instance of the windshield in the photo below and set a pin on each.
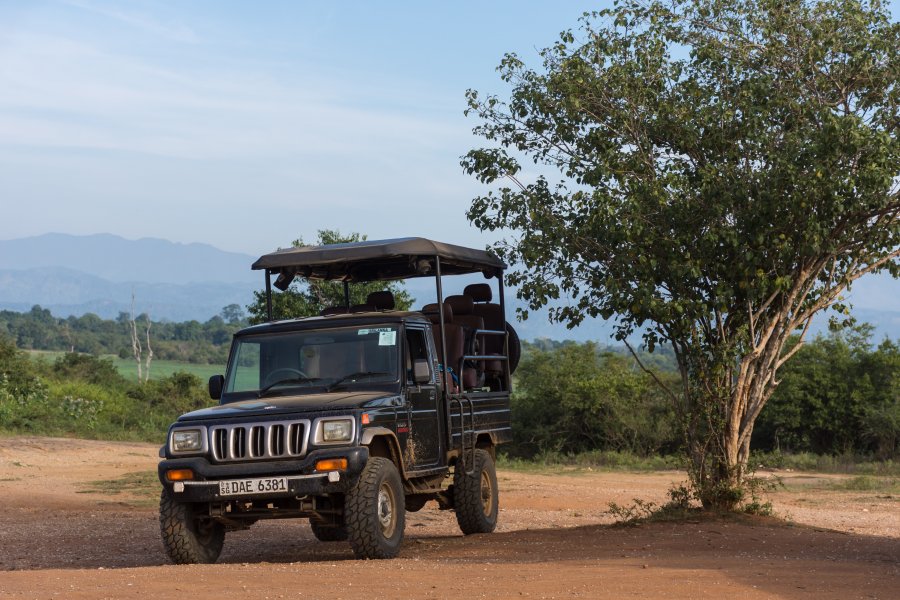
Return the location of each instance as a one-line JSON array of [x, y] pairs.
[[301, 360]]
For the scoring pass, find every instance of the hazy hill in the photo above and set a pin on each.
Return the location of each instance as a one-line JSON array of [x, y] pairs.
[[68, 292], [74, 275], [114, 258]]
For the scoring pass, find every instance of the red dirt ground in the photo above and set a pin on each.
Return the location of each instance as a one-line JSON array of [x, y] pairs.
[[60, 538]]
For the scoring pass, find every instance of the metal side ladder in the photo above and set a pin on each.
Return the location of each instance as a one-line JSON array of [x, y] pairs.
[[466, 450]]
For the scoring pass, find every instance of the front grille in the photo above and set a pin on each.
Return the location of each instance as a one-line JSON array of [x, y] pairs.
[[258, 441]]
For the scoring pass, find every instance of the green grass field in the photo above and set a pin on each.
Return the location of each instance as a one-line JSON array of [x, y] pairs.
[[158, 368]]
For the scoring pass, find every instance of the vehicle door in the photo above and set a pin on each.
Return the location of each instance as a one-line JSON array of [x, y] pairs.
[[422, 434]]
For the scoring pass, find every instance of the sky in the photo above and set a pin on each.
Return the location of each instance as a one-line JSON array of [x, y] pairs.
[[246, 125]]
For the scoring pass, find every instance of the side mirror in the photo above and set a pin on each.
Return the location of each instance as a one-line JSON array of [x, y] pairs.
[[216, 383], [421, 372]]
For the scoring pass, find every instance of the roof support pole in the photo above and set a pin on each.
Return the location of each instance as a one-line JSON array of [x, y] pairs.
[[506, 372], [269, 295], [347, 294], [440, 300], [443, 350]]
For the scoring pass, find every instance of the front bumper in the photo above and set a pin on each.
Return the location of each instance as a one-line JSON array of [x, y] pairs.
[[303, 479]]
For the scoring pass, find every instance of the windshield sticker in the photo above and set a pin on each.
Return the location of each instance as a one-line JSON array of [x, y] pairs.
[[387, 338], [374, 330]]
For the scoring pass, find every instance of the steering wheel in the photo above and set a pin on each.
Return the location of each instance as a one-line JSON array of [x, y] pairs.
[[270, 378]]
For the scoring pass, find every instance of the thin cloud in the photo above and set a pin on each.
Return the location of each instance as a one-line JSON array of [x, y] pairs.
[[65, 93], [177, 32]]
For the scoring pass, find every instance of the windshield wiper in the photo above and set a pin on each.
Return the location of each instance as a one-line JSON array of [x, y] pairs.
[[355, 376], [263, 391]]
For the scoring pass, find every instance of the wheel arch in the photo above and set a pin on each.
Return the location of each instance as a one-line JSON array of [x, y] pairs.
[[486, 441], [383, 442]]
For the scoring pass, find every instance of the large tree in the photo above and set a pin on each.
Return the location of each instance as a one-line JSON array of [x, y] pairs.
[[307, 298], [729, 168]]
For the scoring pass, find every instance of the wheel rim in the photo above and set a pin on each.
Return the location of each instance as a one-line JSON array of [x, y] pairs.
[[386, 510], [487, 494]]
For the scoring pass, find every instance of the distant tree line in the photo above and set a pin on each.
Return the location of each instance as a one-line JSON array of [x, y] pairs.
[[839, 395], [188, 341]]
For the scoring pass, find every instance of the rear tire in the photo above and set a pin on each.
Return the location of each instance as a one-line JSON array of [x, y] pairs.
[[476, 496], [374, 511], [188, 537]]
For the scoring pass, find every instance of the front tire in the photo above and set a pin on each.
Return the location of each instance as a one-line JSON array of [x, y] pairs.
[[374, 511], [476, 496], [188, 537]]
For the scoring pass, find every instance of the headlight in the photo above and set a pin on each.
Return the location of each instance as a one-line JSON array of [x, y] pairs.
[[336, 431], [187, 440]]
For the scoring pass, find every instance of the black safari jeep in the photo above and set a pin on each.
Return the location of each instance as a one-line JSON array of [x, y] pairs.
[[351, 418]]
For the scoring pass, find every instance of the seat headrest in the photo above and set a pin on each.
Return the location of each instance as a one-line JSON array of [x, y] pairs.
[[479, 292], [461, 305], [383, 300], [431, 311]]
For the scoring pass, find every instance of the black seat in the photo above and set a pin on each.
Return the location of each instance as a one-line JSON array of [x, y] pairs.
[[455, 342], [492, 314], [463, 306]]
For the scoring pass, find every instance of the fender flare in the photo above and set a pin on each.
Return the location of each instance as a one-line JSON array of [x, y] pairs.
[[370, 433]]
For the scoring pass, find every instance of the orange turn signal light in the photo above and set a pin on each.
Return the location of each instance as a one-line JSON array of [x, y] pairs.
[[365, 418], [180, 475], [332, 464]]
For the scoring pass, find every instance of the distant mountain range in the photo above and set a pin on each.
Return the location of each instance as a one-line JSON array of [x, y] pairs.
[[74, 275], [113, 258]]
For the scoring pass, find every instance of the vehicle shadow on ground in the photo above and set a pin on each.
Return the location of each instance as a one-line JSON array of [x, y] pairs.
[[126, 540]]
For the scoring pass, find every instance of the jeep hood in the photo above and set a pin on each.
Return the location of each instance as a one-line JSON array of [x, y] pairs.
[[291, 404]]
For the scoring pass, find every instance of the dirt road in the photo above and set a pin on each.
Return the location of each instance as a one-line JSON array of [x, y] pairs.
[[63, 537]]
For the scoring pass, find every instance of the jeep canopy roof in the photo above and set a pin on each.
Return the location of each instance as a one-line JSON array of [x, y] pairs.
[[374, 260]]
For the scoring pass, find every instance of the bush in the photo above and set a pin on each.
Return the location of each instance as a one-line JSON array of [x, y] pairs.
[[84, 367], [572, 399], [81, 395]]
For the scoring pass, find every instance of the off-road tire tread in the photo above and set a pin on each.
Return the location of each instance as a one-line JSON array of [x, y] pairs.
[[181, 544], [467, 496], [361, 507]]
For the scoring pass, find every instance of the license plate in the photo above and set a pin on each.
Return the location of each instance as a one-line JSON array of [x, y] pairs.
[[266, 485]]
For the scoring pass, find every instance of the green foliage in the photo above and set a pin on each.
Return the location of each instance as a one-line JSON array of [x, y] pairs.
[[728, 169], [572, 400], [632, 514], [86, 397], [680, 506], [837, 395], [24, 404], [90, 369], [307, 298], [189, 341]]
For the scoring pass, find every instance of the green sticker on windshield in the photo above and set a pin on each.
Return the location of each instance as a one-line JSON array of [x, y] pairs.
[[387, 338]]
